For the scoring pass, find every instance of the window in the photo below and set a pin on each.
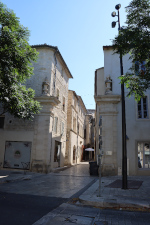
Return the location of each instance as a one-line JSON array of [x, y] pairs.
[[57, 94], [62, 128], [2, 118], [62, 72], [78, 128], [143, 108], [75, 103], [84, 133], [140, 68], [144, 155], [74, 124], [63, 103], [55, 124]]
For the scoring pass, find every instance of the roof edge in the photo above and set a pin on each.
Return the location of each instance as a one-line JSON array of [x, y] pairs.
[[100, 68], [107, 47]]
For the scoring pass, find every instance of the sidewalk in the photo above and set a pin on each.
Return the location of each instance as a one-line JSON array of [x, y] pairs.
[[118, 198], [7, 176]]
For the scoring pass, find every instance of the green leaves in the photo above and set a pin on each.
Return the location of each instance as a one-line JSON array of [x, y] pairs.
[[16, 58], [135, 39]]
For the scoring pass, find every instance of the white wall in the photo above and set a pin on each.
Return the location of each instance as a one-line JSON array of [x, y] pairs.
[[136, 129]]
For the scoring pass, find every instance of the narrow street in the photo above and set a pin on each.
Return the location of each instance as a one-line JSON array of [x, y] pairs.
[[51, 199], [26, 201]]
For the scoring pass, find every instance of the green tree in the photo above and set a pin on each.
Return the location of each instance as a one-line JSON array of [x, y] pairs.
[[134, 38], [16, 56]]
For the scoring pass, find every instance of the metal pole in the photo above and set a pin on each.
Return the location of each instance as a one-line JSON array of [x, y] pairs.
[[99, 162], [100, 154], [124, 149]]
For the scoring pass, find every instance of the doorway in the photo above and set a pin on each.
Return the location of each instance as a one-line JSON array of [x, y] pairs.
[[74, 154], [57, 152]]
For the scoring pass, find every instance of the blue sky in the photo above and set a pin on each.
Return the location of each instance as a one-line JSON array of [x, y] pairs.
[[79, 28]]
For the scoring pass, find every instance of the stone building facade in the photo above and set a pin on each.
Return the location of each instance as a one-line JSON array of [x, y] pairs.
[[39, 145], [91, 126], [75, 128], [90, 134], [109, 120]]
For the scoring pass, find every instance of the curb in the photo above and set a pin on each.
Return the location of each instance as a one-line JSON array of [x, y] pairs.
[[10, 180], [115, 204]]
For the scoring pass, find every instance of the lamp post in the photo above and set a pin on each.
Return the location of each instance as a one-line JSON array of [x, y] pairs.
[[124, 150]]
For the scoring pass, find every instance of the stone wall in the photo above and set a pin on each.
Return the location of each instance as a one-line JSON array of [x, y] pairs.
[[75, 135], [40, 131]]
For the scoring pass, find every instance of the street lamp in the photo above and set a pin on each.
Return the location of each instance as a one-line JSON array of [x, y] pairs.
[[124, 150]]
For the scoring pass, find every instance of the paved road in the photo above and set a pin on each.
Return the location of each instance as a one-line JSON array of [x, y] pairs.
[[22, 202], [20, 209], [47, 200], [61, 184]]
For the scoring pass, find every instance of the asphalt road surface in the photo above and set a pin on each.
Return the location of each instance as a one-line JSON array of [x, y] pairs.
[[19, 209], [23, 202]]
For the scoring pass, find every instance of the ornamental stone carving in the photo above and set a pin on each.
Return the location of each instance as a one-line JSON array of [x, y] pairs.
[[45, 87], [108, 85]]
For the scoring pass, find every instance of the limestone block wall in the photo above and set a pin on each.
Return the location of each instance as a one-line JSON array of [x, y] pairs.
[[75, 128], [136, 129], [15, 130], [69, 127], [88, 130], [76, 143], [41, 159], [40, 132], [43, 68], [12, 123], [99, 82], [60, 111], [13, 135], [70, 111], [107, 108], [112, 68]]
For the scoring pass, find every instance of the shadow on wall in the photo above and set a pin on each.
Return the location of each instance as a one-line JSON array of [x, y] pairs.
[[56, 157]]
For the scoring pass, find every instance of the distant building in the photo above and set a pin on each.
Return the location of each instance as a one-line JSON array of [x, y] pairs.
[[109, 122], [39, 145], [75, 128], [91, 115], [89, 135]]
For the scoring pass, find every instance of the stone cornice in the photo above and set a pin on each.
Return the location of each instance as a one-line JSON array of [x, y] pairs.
[[51, 100], [108, 113], [107, 99]]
